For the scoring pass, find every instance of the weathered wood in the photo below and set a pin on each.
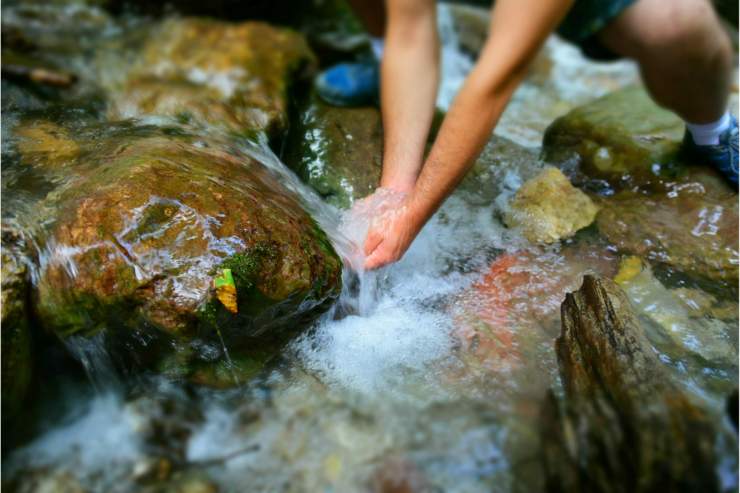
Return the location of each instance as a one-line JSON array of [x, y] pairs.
[[623, 425]]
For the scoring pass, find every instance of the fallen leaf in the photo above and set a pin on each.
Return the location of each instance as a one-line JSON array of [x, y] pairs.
[[226, 290]]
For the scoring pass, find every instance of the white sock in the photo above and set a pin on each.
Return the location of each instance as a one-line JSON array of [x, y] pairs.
[[377, 45], [708, 133]]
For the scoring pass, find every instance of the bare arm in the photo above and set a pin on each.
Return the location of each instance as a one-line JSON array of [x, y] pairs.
[[410, 76], [518, 29]]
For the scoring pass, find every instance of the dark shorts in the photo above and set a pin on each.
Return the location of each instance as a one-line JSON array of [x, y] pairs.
[[585, 19]]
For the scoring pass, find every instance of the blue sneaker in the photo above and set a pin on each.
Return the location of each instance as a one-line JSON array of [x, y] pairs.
[[723, 156], [350, 84]]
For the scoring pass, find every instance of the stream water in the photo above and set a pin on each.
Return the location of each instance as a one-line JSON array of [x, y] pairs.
[[389, 387]]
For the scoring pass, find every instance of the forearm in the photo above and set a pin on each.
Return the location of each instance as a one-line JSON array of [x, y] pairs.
[[410, 76], [464, 132], [518, 29]]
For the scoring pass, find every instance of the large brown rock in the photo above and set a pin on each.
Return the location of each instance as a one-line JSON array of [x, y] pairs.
[[692, 225], [338, 151], [152, 218], [232, 75], [624, 426]]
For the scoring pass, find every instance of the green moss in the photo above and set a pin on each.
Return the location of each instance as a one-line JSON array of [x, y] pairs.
[[245, 267]]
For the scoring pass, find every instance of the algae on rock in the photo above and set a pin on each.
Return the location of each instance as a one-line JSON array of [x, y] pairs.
[[623, 137], [337, 151], [153, 217]]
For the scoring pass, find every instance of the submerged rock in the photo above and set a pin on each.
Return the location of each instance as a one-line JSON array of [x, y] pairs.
[[151, 220], [548, 208], [17, 364], [624, 426], [502, 319], [202, 71], [623, 137], [692, 226], [338, 151], [678, 314]]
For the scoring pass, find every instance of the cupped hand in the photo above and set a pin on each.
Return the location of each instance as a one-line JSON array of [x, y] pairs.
[[359, 219], [389, 236]]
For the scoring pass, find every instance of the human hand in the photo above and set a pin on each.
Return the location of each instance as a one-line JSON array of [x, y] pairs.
[[390, 235], [359, 219]]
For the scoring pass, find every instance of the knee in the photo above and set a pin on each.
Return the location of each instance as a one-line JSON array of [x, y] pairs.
[[693, 35]]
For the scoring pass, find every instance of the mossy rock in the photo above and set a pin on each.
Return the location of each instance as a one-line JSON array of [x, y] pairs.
[[337, 151], [235, 76], [17, 363], [152, 218], [623, 138]]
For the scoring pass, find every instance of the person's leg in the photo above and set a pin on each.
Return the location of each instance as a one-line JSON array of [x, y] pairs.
[[685, 56], [685, 59], [351, 84]]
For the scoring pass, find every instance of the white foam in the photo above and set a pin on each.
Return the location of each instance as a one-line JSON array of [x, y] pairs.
[[102, 437], [370, 353], [402, 326]]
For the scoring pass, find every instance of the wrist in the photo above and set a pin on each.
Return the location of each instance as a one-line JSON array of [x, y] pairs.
[[417, 211], [405, 186]]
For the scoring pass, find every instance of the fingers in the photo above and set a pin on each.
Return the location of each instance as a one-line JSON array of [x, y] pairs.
[[372, 241], [376, 259]]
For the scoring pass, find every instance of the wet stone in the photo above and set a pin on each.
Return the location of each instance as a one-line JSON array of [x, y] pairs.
[[501, 169], [338, 151], [623, 138], [691, 226], [235, 76], [548, 208], [17, 363], [46, 145], [679, 315], [152, 219]]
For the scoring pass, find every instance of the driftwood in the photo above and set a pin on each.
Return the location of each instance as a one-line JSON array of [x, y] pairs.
[[623, 425]]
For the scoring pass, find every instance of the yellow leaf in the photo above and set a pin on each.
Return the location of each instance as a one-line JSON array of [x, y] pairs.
[[226, 290]]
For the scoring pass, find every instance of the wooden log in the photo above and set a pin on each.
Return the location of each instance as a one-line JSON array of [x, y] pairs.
[[623, 425]]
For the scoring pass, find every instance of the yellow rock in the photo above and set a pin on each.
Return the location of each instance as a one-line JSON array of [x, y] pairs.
[[629, 267], [547, 208]]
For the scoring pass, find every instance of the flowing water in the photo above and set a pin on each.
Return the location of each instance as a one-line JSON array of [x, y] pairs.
[[396, 384]]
